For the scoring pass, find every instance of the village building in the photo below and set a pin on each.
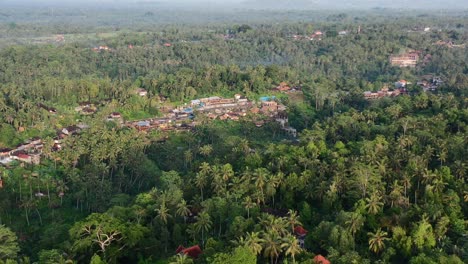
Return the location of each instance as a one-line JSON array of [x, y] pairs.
[[192, 252], [384, 92], [70, 130], [269, 107], [283, 87], [5, 155], [401, 84], [409, 59], [319, 259], [300, 234], [430, 83], [32, 158], [141, 92]]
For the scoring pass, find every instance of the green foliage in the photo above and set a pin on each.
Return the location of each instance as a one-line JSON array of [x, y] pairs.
[[8, 244], [371, 180], [240, 255]]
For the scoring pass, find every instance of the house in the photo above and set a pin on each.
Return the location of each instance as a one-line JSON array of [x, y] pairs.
[[143, 125], [115, 115], [167, 45], [269, 106], [343, 32], [409, 59], [5, 155], [27, 158], [401, 84], [192, 252], [5, 152], [430, 82], [283, 87], [237, 96], [319, 259], [101, 48], [267, 98], [300, 234], [88, 111], [141, 92], [196, 102], [70, 130], [255, 110]]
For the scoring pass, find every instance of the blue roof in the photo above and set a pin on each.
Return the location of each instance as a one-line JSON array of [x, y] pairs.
[[188, 110], [143, 123], [267, 98]]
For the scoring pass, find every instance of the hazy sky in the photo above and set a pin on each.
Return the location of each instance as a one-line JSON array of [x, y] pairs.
[[264, 4]]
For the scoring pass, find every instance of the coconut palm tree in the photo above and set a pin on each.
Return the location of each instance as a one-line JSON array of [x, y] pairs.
[[206, 150], [248, 204], [355, 222], [203, 224], [254, 242], [271, 246], [293, 219], [374, 204], [291, 244], [163, 213], [201, 180], [182, 209], [182, 259], [377, 240]]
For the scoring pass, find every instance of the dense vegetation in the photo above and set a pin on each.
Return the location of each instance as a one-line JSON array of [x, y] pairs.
[[381, 180]]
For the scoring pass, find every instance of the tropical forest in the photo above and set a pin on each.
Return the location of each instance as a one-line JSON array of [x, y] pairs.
[[171, 135]]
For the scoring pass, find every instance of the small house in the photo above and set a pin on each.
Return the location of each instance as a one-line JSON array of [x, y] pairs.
[[401, 84], [319, 259], [192, 252], [300, 234], [283, 87], [141, 92]]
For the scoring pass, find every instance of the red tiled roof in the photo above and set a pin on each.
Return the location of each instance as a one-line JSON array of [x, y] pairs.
[[319, 259], [192, 252], [23, 156], [300, 231]]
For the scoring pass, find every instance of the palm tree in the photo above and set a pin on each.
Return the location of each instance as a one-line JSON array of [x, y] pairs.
[[206, 150], [377, 240], [291, 244], [201, 180], [293, 219], [182, 209], [203, 224], [254, 242], [182, 259], [373, 203], [272, 246], [163, 213], [355, 222], [248, 204]]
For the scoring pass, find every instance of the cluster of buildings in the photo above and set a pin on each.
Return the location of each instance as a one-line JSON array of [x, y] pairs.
[[86, 108], [400, 88], [409, 59], [429, 82], [317, 35], [28, 152], [215, 107], [448, 44], [101, 48], [285, 88]]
